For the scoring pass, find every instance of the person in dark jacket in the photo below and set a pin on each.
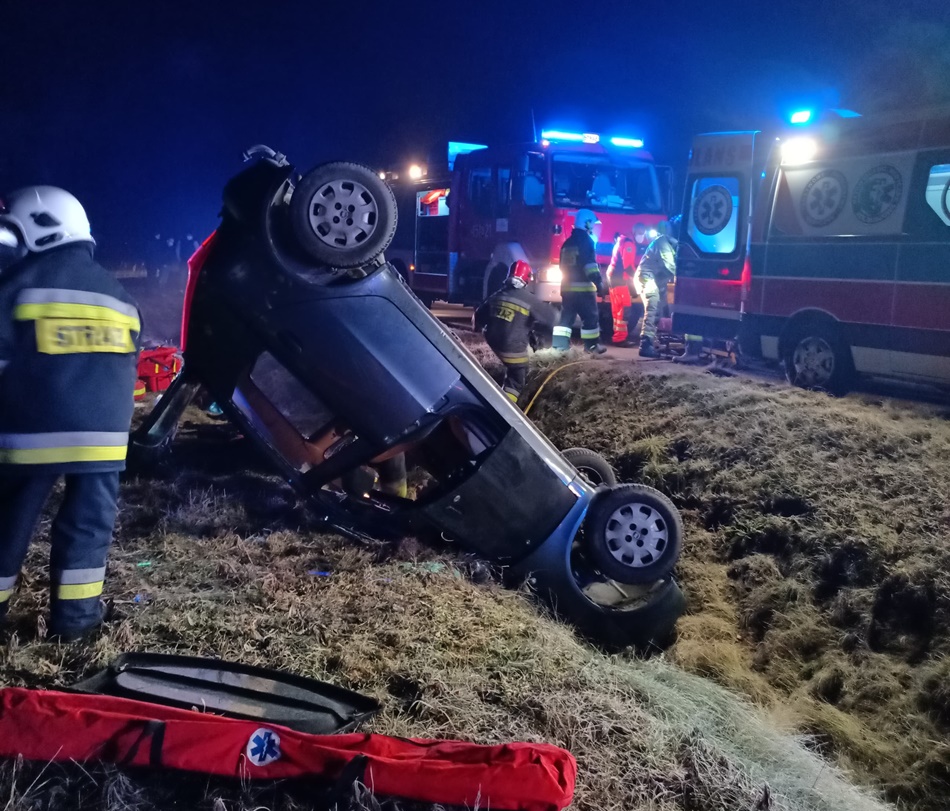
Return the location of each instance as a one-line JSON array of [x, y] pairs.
[[580, 283], [656, 270], [69, 339], [508, 317]]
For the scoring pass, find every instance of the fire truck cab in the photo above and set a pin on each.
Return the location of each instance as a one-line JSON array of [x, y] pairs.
[[513, 202]]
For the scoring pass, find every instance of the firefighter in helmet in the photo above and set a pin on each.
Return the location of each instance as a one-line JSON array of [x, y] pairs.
[[508, 318], [69, 337], [656, 270], [580, 283]]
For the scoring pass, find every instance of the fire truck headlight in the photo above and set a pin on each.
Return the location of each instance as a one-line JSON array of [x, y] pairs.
[[552, 274], [415, 171], [798, 150]]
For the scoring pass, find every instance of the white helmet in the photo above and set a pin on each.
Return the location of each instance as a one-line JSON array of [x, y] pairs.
[[585, 219], [45, 217]]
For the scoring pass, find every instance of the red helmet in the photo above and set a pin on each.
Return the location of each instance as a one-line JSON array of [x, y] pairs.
[[520, 273]]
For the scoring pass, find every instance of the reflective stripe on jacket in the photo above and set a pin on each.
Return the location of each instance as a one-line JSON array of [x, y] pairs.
[[69, 334], [580, 272], [510, 315]]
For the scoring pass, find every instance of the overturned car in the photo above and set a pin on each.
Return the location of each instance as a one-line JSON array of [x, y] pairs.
[[318, 351]]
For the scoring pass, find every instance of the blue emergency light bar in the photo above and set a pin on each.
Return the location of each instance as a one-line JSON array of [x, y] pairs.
[[576, 137], [636, 143], [588, 138], [800, 117]]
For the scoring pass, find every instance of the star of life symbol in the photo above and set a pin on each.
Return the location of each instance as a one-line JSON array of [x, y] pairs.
[[712, 210], [824, 197], [263, 747]]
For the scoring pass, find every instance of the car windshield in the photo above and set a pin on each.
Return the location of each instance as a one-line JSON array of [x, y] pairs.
[[605, 184]]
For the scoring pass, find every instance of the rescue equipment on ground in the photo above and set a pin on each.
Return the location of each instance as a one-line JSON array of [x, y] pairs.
[[234, 690], [158, 367], [54, 726]]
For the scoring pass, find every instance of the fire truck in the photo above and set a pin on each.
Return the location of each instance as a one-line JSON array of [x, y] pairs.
[[827, 250], [461, 226]]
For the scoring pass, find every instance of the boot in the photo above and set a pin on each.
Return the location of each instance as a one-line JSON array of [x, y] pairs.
[[595, 349], [647, 350], [693, 354]]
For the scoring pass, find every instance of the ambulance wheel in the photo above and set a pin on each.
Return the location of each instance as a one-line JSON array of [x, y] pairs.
[[591, 465], [816, 357], [342, 214], [633, 534]]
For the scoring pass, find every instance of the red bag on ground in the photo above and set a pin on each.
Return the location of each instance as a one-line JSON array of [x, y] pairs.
[[51, 726], [158, 367]]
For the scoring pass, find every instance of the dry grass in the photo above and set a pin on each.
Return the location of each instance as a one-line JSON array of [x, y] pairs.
[[218, 559], [817, 565]]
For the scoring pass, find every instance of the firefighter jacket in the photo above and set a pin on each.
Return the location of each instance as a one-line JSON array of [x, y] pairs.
[[659, 261], [509, 316], [579, 270], [623, 262], [69, 336]]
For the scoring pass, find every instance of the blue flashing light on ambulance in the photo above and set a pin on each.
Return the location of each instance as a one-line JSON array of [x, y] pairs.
[[463, 224]]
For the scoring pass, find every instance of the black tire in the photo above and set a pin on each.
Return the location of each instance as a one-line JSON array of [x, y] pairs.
[[633, 534], [342, 214], [816, 357], [591, 465]]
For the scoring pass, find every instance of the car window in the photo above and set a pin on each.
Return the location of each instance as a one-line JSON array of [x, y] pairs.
[[503, 189], [713, 223], [849, 197], [289, 396], [480, 191], [533, 188], [937, 193]]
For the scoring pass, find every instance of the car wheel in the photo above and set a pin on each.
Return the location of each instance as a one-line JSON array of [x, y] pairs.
[[591, 465], [816, 357], [342, 214], [633, 534]]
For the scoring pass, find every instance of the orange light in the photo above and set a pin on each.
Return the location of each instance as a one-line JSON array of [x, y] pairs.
[[412, 267]]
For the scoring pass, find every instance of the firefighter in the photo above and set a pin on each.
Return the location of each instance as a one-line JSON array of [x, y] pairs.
[[508, 317], [656, 270], [69, 339], [580, 283]]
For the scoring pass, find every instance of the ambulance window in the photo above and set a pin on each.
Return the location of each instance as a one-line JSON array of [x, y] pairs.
[[713, 223], [533, 189], [938, 192], [480, 190], [503, 199]]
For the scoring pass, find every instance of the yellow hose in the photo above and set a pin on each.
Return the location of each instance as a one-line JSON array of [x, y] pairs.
[[546, 379]]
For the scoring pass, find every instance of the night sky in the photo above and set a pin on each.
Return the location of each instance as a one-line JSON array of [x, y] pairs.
[[142, 109]]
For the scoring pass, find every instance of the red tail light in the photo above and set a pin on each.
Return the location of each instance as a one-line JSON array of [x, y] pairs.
[[195, 264], [746, 280]]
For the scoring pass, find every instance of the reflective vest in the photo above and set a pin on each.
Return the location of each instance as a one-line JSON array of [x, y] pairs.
[[69, 336], [579, 270], [509, 316]]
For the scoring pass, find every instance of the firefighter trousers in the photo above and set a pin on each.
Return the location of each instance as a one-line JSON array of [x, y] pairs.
[[79, 541], [574, 304], [653, 295], [516, 371]]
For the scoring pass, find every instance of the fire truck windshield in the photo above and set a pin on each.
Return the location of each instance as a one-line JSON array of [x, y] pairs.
[[604, 184]]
